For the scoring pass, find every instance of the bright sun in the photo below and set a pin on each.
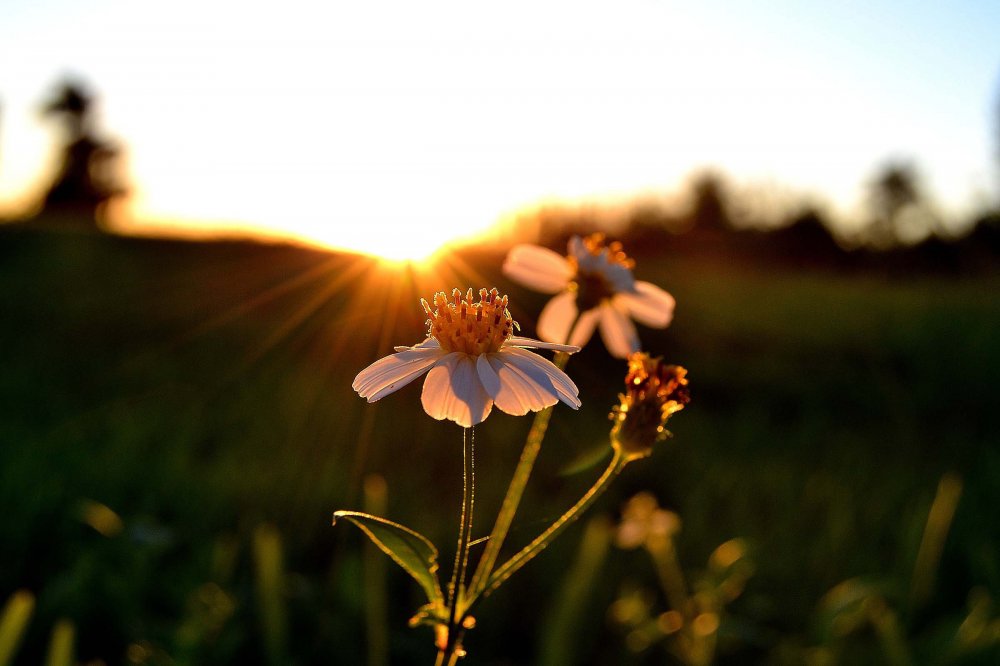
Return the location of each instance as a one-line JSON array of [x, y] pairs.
[[389, 241], [371, 140], [408, 223], [395, 128]]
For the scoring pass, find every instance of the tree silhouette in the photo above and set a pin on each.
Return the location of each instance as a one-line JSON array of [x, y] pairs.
[[900, 210], [709, 209], [87, 177]]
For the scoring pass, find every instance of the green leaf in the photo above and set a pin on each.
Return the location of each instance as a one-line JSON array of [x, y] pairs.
[[407, 548], [587, 459]]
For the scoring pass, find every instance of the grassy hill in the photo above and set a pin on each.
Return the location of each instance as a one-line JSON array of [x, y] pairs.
[[174, 413]]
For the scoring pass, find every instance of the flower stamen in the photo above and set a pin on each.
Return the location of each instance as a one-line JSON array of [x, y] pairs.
[[614, 254], [453, 325], [601, 270]]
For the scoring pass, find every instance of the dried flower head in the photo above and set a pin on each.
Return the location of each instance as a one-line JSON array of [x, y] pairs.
[[653, 392]]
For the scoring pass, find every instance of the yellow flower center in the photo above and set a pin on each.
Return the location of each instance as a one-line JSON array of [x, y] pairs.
[[591, 289], [596, 244], [601, 270], [472, 328]]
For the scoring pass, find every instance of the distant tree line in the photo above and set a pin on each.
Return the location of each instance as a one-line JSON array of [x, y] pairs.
[[901, 231]]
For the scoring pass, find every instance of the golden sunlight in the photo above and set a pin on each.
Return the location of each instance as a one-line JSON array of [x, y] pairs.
[[374, 141], [399, 217], [332, 124], [369, 145]]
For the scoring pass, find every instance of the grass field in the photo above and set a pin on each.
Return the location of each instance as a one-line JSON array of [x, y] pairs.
[[177, 426]]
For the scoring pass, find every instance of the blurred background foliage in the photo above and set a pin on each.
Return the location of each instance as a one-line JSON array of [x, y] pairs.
[[177, 427]]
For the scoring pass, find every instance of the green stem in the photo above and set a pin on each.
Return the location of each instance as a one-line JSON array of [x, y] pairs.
[[618, 462], [668, 569], [447, 659], [456, 592], [514, 493], [671, 576]]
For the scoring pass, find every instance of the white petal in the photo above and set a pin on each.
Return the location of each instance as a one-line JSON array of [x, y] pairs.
[[429, 343], [618, 331], [437, 387], [453, 391], [538, 268], [531, 343], [584, 328], [518, 393], [556, 318], [648, 304], [488, 376], [546, 376], [394, 372]]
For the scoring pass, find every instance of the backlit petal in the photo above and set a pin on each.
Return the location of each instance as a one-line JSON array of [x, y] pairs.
[[556, 318], [429, 343], [394, 372], [518, 394], [618, 331], [538, 268], [648, 304], [530, 343], [488, 376], [546, 376], [585, 326], [454, 391]]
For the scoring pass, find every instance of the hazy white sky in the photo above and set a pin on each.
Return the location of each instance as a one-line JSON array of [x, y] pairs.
[[372, 124]]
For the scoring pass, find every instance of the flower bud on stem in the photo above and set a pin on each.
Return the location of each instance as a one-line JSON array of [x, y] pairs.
[[653, 392]]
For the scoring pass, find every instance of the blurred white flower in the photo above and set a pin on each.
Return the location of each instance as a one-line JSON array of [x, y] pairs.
[[473, 361], [595, 287]]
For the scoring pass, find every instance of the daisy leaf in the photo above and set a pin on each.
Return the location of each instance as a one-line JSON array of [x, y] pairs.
[[407, 548]]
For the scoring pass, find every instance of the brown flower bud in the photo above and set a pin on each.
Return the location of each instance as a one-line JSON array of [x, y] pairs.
[[653, 392]]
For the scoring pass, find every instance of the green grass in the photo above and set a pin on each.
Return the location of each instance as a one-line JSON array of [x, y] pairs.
[[200, 391]]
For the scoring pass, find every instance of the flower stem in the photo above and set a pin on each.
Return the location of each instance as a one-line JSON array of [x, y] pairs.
[[515, 491], [689, 645], [671, 576], [618, 462], [456, 593]]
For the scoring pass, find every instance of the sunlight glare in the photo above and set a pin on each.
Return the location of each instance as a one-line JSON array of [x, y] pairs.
[[332, 125]]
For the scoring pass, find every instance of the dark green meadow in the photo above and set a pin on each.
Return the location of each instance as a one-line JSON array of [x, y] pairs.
[[177, 426]]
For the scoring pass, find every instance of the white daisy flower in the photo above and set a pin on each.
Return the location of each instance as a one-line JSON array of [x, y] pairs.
[[595, 287], [473, 361]]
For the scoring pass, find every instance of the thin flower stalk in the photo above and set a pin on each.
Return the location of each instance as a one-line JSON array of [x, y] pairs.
[[511, 501], [618, 461], [654, 392], [451, 650], [668, 570]]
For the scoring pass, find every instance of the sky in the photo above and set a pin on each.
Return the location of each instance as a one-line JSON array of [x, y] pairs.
[[395, 127]]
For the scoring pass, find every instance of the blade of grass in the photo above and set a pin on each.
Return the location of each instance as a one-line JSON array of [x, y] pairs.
[[61, 644], [269, 577], [13, 623]]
